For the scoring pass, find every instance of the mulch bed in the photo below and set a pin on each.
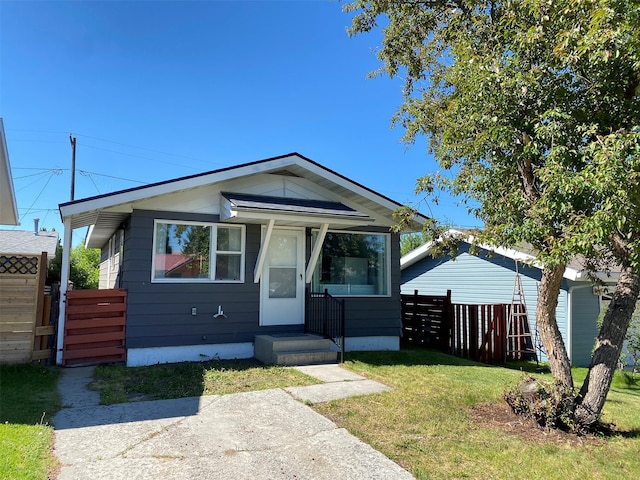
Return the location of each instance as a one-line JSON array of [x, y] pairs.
[[499, 415]]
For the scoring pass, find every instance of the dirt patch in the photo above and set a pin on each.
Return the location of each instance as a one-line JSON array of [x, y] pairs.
[[499, 415]]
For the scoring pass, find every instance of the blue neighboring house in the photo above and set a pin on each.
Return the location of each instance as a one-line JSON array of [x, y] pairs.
[[489, 277]]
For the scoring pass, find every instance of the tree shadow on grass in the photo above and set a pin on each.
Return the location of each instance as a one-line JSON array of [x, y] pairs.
[[413, 356]]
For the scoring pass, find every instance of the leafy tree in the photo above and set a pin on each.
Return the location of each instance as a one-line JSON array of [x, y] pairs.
[[533, 107], [411, 241], [84, 269]]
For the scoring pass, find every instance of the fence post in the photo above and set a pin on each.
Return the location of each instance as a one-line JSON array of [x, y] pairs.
[[473, 332]]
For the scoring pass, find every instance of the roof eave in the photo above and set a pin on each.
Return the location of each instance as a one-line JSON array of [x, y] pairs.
[[8, 204]]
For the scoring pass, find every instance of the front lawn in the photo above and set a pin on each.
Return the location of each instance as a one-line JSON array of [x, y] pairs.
[[28, 399], [446, 419], [118, 384]]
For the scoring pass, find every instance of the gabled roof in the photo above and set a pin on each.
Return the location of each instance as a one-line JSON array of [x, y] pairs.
[[20, 241], [8, 205], [576, 269], [104, 213]]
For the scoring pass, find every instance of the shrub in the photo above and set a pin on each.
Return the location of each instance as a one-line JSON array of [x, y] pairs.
[[550, 405]]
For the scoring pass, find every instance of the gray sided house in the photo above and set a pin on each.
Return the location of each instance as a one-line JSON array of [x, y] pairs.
[[489, 277], [210, 261]]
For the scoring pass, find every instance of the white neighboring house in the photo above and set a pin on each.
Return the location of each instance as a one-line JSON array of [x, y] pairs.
[[8, 205]]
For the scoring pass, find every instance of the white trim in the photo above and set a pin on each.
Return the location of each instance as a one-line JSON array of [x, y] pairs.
[[351, 186], [175, 186], [137, 357], [570, 273], [64, 286], [8, 205], [212, 251], [110, 259], [315, 253], [262, 253], [378, 343]]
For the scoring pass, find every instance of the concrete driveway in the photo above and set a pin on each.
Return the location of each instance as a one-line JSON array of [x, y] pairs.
[[257, 435]]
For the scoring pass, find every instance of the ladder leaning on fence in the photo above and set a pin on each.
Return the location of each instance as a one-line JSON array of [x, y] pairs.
[[520, 345]]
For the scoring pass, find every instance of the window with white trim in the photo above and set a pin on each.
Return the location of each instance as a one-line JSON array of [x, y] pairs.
[[198, 252], [353, 264]]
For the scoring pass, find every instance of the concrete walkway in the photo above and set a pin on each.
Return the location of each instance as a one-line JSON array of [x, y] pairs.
[[268, 434]]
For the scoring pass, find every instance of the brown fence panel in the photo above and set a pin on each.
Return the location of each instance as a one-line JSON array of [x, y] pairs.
[[426, 320], [94, 327]]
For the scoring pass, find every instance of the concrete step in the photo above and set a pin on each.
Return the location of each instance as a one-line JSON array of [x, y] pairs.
[[301, 349], [311, 357], [303, 342]]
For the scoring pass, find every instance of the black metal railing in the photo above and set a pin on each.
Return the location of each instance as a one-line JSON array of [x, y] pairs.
[[325, 317]]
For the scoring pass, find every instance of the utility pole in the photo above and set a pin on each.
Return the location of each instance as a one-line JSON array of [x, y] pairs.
[[73, 166]]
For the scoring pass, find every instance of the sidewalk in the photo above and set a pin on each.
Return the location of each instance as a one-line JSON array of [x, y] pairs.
[[339, 383], [266, 434]]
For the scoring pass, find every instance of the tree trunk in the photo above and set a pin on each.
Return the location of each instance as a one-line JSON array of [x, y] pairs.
[[548, 326], [607, 349]]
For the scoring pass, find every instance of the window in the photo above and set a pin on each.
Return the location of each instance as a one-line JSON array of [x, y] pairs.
[[355, 264], [194, 252]]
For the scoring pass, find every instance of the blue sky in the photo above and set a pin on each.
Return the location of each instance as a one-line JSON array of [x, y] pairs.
[[158, 90]]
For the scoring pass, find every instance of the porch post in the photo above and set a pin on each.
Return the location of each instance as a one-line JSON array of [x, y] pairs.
[[262, 254], [64, 285], [315, 254]]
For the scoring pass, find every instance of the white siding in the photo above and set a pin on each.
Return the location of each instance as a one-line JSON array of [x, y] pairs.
[[110, 261]]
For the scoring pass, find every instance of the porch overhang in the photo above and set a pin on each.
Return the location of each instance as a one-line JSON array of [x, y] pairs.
[[245, 208]]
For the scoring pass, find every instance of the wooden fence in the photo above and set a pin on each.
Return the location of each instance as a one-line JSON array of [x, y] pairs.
[[480, 332], [476, 332], [25, 329], [94, 327], [426, 320]]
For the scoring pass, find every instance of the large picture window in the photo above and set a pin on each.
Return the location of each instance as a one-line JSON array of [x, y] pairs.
[[353, 264], [198, 252]]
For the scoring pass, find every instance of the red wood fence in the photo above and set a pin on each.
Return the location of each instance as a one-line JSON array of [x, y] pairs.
[[94, 327], [480, 332]]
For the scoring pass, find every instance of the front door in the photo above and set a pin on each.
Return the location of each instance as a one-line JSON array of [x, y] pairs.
[[282, 279]]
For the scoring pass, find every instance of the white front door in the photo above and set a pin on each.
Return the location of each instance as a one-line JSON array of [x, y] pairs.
[[282, 279]]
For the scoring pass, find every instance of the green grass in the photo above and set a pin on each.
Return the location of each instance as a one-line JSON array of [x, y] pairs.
[[28, 399], [118, 384], [427, 426]]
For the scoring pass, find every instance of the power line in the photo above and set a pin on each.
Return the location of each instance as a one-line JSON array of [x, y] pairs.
[[59, 171], [114, 143], [149, 149], [37, 197], [139, 156], [110, 176], [51, 173]]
